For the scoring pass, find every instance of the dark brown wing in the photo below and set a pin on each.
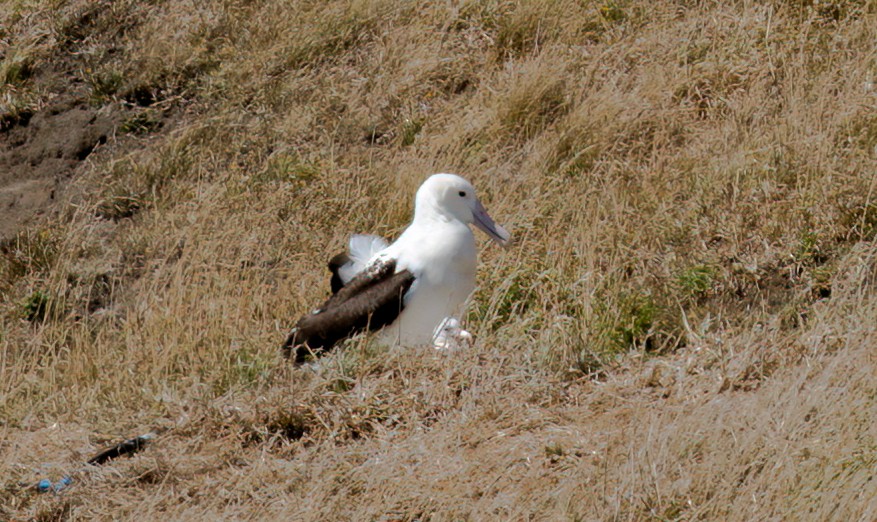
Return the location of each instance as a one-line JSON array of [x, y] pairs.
[[371, 300]]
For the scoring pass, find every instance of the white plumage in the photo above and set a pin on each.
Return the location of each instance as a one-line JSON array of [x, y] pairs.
[[438, 247], [412, 289]]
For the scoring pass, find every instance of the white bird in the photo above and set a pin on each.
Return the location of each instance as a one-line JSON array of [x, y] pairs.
[[448, 335], [408, 289]]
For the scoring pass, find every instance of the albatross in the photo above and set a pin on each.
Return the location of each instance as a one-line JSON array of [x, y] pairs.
[[410, 289]]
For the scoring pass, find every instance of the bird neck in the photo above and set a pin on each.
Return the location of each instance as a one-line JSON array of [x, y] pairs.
[[427, 212]]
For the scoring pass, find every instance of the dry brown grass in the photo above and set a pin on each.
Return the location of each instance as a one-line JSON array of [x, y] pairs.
[[683, 331]]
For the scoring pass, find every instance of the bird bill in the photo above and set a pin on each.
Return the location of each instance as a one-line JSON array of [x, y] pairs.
[[486, 224]]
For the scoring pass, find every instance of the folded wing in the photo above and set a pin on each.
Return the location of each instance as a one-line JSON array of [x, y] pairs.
[[372, 299]]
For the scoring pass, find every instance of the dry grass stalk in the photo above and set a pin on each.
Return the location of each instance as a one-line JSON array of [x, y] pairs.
[[681, 333]]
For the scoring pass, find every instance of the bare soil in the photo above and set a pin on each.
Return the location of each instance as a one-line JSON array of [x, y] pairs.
[[40, 153], [40, 150]]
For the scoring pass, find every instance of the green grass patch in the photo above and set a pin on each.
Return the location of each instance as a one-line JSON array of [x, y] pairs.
[[410, 128], [36, 307], [630, 324], [695, 281], [104, 84], [284, 167], [15, 69], [627, 317], [143, 122], [244, 367], [613, 12], [29, 252]]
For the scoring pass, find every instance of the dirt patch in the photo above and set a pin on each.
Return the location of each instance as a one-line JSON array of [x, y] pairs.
[[40, 153], [41, 149]]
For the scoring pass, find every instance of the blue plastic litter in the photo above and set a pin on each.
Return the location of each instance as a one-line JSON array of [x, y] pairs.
[[45, 485], [63, 483]]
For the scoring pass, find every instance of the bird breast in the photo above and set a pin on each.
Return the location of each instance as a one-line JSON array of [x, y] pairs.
[[442, 258]]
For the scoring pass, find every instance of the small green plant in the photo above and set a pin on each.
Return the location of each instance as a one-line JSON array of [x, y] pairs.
[[36, 307], [355, 357], [612, 12], [142, 123], [695, 281], [514, 297], [623, 321], [248, 367], [15, 69], [809, 251], [410, 130], [244, 367], [637, 315], [104, 84], [287, 167]]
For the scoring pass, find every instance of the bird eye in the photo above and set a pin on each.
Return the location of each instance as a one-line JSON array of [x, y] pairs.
[[462, 193]]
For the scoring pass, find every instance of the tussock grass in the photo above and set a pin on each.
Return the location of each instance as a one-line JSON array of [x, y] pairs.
[[681, 331]]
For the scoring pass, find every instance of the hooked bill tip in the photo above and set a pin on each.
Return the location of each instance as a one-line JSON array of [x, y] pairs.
[[483, 221]]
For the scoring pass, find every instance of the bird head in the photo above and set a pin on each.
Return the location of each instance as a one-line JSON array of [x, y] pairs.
[[452, 197]]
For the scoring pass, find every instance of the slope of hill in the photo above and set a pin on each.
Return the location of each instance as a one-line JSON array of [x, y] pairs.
[[684, 329]]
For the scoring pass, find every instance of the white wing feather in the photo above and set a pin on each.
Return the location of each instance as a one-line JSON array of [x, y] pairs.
[[363, 248]]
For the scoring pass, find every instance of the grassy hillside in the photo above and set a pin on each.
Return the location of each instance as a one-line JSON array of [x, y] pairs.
[[683, 330]]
